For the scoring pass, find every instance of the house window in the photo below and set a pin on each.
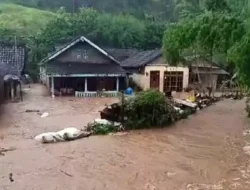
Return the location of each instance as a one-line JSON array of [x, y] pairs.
[[173, 81]]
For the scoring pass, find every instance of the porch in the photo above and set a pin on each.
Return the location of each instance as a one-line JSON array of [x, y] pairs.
[[87, 86]]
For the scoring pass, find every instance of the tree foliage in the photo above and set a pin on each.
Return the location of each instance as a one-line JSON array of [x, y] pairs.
[[215, 31], [121, 31]]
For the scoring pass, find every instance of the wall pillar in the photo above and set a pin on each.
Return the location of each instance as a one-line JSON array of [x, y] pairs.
[[85, 84], [12, 90], [52, 87], [117, 84]]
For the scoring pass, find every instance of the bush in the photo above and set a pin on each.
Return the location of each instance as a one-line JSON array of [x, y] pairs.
[[149, 109], [101, 129]]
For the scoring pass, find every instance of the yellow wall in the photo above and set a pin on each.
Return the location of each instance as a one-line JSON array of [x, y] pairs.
[[144, 81]]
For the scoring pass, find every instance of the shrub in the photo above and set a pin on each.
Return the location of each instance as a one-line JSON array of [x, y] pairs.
[[149, 109], [101, 129]]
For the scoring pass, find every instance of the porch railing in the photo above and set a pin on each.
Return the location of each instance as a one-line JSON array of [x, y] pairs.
[[97, 94]]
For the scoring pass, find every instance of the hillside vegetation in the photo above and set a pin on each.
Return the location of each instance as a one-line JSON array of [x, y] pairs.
[[205, 27], [138, 8], [23, 20]]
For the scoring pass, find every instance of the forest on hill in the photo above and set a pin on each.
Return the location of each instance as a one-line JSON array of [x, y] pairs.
[[170, 10]]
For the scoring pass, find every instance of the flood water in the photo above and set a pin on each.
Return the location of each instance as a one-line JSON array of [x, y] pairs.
[[202, 152]]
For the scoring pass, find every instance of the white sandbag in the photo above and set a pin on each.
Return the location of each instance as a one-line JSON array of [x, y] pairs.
[[102, 121], [59, 136], [106, 122], [46, 114], [48, 137], [71, 132]]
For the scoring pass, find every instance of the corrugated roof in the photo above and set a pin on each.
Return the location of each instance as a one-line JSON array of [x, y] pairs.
[[67, 68], [141, 58]]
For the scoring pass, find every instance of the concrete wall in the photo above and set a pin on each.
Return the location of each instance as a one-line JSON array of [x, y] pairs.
[[143, 80], [43, 77]]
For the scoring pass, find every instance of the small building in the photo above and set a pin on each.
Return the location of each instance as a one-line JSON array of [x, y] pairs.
[[207, 73], [81, 68], [13, 59], [149, 70]]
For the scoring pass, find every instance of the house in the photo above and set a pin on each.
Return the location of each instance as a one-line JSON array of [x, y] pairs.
[[82, 68], [149, 70], [206, 72], [13, 59]]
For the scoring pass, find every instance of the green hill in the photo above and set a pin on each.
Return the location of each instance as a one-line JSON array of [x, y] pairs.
[[23, 20]]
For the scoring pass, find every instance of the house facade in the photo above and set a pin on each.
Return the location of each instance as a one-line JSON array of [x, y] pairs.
[[81, 68], [150, 71]]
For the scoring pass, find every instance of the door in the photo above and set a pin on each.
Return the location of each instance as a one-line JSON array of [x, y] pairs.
[[155, 80]]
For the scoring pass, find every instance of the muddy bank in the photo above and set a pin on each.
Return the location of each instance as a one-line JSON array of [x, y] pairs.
[[202, 152]]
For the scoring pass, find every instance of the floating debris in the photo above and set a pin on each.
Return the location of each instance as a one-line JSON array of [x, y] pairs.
[[3, 150], [32, 110], [149, 186], [46, 114], [11, 177], [246, 132], [247, 150]]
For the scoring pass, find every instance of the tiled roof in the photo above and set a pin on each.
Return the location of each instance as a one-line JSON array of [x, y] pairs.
[[63, 68], [12, 59], [141, 58], [121, 54]]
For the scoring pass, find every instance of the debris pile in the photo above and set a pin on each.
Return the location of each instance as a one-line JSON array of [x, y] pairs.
[[233, 95], [112, 112], [4, 150], [152, 109]]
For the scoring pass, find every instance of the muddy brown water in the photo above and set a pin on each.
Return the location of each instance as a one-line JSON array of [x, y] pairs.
[[201, 152]]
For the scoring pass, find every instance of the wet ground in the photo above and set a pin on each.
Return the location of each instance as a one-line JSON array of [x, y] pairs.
[[202, 152]]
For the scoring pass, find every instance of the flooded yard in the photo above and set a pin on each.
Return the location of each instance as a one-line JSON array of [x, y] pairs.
[[203, 152]]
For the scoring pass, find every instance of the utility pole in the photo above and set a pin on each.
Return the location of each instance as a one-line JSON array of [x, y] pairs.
[[73, 1], [15, 53]]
